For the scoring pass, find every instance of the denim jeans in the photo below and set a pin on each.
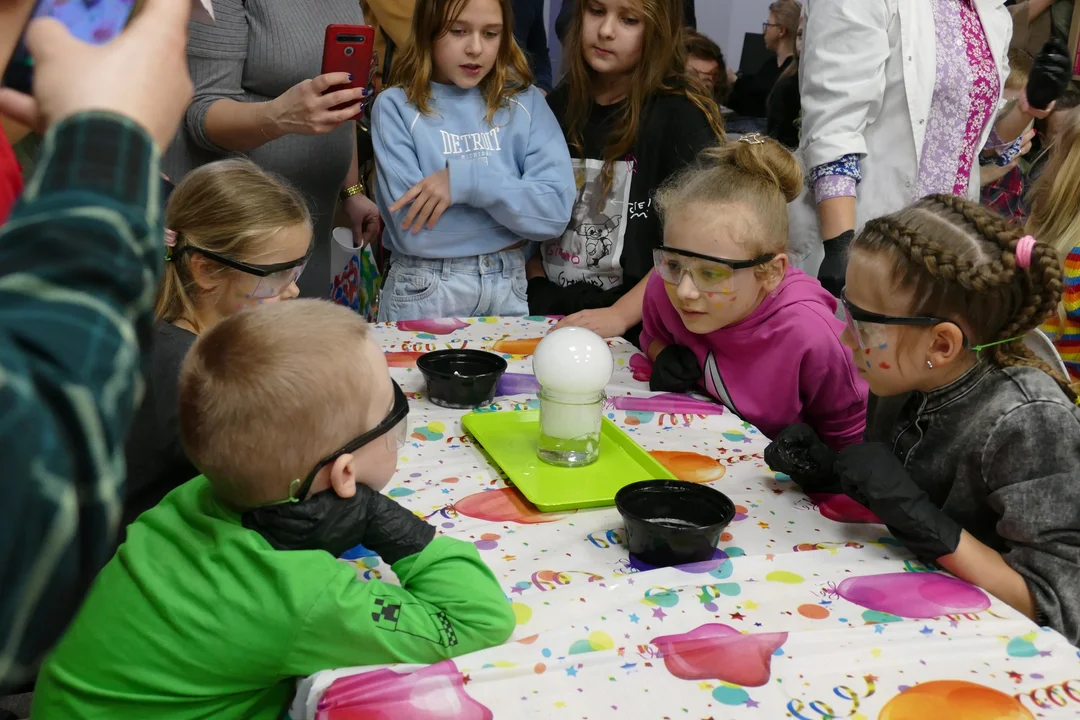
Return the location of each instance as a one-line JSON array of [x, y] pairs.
[[477, 286]]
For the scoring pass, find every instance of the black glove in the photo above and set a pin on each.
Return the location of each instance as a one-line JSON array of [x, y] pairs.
[[798, 452], [676, 370], [1049, 75], [834, 267], [326, 521], [873, 476]]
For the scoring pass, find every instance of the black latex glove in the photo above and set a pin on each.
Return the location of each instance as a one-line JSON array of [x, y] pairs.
[[873, 476], [326, 521], [1049, 75], [676, 370], [833, 268], [798, 451]]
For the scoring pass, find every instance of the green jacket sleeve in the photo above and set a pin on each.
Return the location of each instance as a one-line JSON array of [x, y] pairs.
[[449, 604]]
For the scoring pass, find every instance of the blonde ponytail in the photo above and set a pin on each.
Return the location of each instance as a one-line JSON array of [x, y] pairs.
[[755, 173], [229, 207]]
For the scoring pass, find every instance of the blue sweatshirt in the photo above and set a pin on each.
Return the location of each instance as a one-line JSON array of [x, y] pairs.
[[508, 181]]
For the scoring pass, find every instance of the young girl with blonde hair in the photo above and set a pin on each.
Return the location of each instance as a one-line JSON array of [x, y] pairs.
[[1055, 220], [972, 441], [632, 118], [472, 166], [727, 311], [237, 237]]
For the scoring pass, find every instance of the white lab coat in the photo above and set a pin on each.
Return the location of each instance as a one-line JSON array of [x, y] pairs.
[[867, 80]]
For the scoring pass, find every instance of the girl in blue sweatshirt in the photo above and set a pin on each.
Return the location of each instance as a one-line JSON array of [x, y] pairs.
[[471, 166]]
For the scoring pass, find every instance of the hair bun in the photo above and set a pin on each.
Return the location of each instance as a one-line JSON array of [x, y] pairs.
[[762, 157]]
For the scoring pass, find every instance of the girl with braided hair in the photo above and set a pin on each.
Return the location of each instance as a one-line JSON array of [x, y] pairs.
[[972, 443]]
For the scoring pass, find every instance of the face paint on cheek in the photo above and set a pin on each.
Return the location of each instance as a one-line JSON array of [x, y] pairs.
[[717, 300], [884, 366]]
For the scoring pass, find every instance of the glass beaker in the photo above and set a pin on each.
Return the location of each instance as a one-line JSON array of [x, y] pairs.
[[570, 428]]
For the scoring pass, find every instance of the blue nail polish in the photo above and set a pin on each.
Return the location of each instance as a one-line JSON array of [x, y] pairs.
[[350, 77]]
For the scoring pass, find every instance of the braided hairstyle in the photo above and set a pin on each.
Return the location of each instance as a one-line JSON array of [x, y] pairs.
[[958, 261]]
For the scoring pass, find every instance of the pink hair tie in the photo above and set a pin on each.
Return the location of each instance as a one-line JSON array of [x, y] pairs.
[[170, 238], [1023, 250]]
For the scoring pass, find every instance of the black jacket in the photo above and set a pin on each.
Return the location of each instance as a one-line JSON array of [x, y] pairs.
[[998, 451]]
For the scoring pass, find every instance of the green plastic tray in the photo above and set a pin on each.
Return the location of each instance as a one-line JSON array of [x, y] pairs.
[[509, 438]]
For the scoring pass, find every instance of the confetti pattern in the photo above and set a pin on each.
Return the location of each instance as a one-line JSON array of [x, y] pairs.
[[808, 610]]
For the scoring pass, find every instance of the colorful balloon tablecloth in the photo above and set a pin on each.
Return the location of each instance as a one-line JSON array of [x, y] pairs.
[[808, 610]]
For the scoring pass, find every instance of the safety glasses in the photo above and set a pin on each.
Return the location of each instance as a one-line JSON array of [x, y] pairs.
[[395, 423], [272, 280], [870, 329], [709, 274]]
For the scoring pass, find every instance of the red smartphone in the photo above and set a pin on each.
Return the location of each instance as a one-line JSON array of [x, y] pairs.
[[349, 49]]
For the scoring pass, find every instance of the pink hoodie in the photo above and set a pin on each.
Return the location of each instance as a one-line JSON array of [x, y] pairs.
[[783, 364]]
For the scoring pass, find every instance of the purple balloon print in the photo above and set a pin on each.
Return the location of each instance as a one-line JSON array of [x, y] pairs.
[[666, 403], [517, 384], [913, 595]]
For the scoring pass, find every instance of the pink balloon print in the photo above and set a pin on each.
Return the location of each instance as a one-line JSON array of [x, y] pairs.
[[641, 367], [435, 692], [666, 403], [504, 505], [914, 594], [437, 326], [841, 508], [720, 652]]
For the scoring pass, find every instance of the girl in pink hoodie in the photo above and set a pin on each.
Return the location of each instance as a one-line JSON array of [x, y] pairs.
[[726, 311]]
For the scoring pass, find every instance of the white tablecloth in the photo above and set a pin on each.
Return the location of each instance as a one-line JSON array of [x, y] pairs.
[[807, 611]]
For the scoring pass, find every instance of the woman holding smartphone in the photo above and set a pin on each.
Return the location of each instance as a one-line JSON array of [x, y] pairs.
[[258, 91]]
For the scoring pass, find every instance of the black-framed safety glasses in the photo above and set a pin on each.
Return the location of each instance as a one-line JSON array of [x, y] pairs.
[[869, 329], [273, 278], [394, 422], [709, 274]]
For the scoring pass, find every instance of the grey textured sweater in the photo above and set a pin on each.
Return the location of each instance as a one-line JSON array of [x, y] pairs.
[[253, 53]]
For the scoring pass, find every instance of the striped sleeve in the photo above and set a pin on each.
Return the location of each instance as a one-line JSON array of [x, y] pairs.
[[1070, 296], [81, 261]]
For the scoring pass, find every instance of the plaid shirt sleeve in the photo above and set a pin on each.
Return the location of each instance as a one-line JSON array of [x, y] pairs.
[[81, 258]]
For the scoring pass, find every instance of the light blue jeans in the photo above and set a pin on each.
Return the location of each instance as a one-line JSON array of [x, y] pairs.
[[477, 286]]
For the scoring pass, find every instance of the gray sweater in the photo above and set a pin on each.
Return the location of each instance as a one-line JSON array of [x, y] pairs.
[[999, 451], [255, 51]]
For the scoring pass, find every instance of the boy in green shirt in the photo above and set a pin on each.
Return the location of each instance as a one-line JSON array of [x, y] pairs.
[[230, 588]]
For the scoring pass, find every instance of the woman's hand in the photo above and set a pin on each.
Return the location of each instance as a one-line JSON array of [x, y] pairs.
[[430, 198], [303, 109], [363, 217], [992, 173]]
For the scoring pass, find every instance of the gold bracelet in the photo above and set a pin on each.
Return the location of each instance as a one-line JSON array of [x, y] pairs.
[[258, 124], [357, 189]]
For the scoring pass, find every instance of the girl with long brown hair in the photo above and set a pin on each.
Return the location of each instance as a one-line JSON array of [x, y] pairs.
[[472, 166], [972, 441], [632, 118]]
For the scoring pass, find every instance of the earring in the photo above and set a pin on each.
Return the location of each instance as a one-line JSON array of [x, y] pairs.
[[929, 364]]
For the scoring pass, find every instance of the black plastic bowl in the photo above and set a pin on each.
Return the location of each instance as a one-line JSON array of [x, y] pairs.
[[461, 378], [671, 522]]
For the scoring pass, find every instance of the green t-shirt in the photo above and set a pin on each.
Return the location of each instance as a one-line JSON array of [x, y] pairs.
[[197, 617]]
